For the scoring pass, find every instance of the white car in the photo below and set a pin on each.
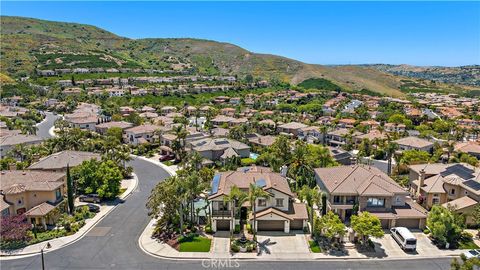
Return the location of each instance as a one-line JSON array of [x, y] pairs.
[[474, 253]]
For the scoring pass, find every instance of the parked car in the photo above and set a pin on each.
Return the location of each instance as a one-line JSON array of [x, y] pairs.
[[474, 253], [91, 207], [404, 238], [166, 157], [92, 198]]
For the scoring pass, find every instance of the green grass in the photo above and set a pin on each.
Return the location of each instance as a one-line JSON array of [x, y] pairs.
[[467, 244], [314, 247], [194, 243], [121, 191]]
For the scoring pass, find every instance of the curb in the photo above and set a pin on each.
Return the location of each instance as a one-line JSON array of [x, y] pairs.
[[158, 163], [25, 255]]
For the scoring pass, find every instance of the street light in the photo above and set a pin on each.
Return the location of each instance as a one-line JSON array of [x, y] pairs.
[[41, 252]]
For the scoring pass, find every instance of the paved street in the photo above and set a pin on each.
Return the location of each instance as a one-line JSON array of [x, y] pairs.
[[113, 243], [44, 126]]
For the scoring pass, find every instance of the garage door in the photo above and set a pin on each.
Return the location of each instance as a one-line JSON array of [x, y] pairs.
[[271, 225], [223, 225], [296, 224], [408, 223], [385, 223]]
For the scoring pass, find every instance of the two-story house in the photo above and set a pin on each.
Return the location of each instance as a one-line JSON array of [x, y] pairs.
[[365, 188], [276, 212], [457, 185], [141, 134], [414, 143], [34, 193]]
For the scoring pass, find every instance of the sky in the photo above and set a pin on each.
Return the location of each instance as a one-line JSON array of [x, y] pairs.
[[415, 33]]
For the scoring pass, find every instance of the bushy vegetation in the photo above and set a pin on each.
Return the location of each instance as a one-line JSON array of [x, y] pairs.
[[319, 83]]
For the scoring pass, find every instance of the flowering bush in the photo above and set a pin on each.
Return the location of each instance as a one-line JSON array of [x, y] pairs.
[[14, 229]]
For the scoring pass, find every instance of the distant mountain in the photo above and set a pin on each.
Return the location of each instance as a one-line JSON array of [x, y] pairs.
[[466, 75], [28, 44]]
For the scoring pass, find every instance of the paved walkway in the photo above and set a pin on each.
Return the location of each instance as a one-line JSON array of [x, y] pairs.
[[57, 243]]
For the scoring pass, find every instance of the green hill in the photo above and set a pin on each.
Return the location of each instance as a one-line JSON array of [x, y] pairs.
[[29, 43]]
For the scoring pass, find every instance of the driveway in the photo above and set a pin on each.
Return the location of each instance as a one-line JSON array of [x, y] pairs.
[[280, 242], [389, 247]]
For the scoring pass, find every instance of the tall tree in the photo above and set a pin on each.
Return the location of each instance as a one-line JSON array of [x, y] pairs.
[[71, 205], [366, 225], [235, 197]]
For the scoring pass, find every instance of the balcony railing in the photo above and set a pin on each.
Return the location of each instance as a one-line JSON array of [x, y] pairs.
[[221, 213]]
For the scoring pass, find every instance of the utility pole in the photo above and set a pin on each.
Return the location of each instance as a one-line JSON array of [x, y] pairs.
[[43, 260]]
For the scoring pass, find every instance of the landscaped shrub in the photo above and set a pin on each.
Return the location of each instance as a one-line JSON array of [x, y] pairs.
[[234, 247], [237, 228], [208, 229], [14, 231]]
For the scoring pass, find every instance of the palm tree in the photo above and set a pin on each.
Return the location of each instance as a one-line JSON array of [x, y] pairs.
[[312, 196], [255, 192], [236, 197], [324, 130], [390, 149]]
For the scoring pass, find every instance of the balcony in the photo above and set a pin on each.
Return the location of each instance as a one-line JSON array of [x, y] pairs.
[[221, 213]]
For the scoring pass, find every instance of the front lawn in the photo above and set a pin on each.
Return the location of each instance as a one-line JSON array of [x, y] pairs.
[[194, 243], [314, 247]]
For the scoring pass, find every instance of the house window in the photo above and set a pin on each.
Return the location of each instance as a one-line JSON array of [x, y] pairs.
[[58, 194], [452, 192], [279, 202], [435, 199], [20, 201], [375, 202], [337, 199], [222, 206], [262, 202]]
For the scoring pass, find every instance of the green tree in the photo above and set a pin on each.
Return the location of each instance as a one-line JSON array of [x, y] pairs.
[[444, 226], [366, 225], [98, 177], [71, 205], [467, 264], [312, 196], [330, 226], [235, 197]]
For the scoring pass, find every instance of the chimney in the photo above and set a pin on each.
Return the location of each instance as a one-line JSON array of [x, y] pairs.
[[12, 166], [421, 181]]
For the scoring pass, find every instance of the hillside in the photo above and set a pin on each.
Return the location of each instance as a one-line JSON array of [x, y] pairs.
[[28, 44], [466, 75]]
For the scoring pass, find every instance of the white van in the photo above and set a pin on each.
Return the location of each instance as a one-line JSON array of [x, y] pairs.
[[404, 238]]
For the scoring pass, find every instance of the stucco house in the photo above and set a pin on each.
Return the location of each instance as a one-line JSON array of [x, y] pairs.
[[37, 194], [277, 212], [219, 148], [368, 189]]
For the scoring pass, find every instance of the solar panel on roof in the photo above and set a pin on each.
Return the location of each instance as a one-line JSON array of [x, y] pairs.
[[460, 170], [221, 142], [472, 184], [215, 183], [260, 183]]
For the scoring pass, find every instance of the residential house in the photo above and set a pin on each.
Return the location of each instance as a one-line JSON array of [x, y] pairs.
[[141, 134], [414, 143], [291, 128], [59, 161], [10, 138], [220, 148], [368, 189], [440, 183], [471, 148], [277, 212], [392, 127], [103, 127], [34, 193]]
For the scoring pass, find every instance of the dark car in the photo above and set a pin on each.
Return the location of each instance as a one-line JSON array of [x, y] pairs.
[[93, 198], [91, 207], [166, 157]]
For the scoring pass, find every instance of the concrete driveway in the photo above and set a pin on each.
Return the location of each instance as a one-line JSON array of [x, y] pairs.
[[280, 242], [389, 247]]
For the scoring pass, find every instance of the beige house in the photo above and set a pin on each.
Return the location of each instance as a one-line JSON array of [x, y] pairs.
[[220, 148], [414, 143], [291, 128], [141, 134], [277, 212], [369, 189], [456, 184], [103, 127], [37, 194]]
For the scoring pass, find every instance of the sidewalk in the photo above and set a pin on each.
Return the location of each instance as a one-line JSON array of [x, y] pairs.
[[170, 169], [220, 249], [58, 243]]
